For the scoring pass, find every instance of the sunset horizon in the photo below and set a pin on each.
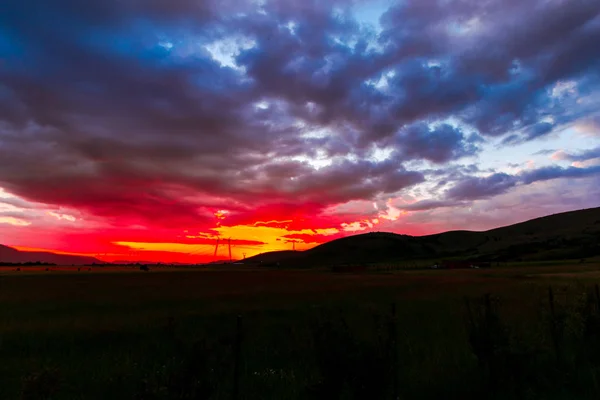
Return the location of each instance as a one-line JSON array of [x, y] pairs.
[[204, 253]]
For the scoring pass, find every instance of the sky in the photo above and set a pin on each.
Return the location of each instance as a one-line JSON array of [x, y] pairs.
[[147, 130]]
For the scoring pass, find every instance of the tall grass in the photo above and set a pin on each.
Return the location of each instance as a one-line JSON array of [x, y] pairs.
[[522, 341]]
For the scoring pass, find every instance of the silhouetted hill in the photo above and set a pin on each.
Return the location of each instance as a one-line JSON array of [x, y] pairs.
[[272, 257], [10, 255], [569, 235]]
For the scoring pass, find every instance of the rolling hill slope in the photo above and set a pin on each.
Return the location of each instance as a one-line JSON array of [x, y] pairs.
[[10, 255], [569, 235]]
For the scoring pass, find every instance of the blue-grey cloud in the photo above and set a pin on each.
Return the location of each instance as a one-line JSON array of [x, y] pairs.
[[554, 172], [425, 205], [472, 188], [438, 144], [475, 187], [585, 155], [544, 152]]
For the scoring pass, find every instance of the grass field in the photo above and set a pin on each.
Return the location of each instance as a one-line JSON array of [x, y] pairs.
[[173, 334]]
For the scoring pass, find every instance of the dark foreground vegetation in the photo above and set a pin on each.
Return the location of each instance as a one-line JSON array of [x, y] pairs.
[[525, 332]]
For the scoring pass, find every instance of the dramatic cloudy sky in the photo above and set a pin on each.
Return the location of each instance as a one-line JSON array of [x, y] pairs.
[[135, 129]]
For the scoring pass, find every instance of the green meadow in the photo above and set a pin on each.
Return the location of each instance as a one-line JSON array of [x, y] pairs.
[[302, 334]]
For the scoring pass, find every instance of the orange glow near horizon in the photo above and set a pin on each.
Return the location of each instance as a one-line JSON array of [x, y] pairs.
[[38, 249], [266, 239], [249, 233], [190, 247]]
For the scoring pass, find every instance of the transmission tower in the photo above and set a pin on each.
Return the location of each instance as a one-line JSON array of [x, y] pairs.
[[216, 248]]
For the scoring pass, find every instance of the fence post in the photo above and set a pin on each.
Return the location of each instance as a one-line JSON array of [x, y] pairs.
[[237, 354]]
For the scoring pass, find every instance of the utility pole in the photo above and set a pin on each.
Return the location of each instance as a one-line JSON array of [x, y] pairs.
[[229, 242], [294, 246]]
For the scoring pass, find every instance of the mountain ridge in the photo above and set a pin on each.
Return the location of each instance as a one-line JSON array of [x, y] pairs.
[[567, 235], [12, 255]]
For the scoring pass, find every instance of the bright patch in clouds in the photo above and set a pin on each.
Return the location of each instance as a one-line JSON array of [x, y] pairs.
[[563, 88], [391, 213], [263, 105], [272, 222], [356, 226], [272, 237], [382, 82], [468, 27], [225, 50], [5, 195], [221, 214], [381, 154], [318, 162], [14, 221], [60, 216], [166, 44]]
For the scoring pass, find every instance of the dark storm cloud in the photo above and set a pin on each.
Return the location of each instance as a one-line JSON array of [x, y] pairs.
[[120, 107]]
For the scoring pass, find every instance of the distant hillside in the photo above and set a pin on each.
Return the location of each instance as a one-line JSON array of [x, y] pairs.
[[272, 257], [569, 235], [10, 255]]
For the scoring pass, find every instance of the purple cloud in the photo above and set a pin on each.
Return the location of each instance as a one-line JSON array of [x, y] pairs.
[[580, 156], [554, 172], [125, 107], [475, 188], [439, 144], [472, 188]]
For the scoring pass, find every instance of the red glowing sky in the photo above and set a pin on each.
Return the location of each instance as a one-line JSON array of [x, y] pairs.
[[61, 229], [270, 228]]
